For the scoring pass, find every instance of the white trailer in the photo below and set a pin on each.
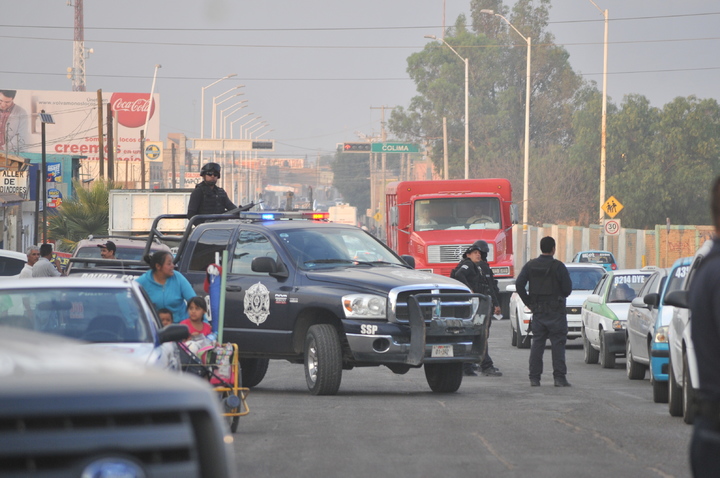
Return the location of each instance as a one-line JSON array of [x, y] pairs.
[[132, 212]]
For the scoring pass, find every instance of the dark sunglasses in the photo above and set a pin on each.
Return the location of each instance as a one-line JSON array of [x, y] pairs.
[[217, 175]]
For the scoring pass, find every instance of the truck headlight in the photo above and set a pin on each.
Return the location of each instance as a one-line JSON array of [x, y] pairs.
[[364, 306], [661, 334]]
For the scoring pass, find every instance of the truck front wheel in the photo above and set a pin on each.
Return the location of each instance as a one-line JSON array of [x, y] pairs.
[[444, 377], [252, 371], [323, 360]]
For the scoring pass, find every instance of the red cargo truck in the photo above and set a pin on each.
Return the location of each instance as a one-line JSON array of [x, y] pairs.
[[436, 221]]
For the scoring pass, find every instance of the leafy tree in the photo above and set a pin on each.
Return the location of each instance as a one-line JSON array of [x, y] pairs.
[[85, 214], [351, 173]]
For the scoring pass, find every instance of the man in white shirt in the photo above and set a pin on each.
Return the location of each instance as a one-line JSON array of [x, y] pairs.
[[43, 267], [33, 254]]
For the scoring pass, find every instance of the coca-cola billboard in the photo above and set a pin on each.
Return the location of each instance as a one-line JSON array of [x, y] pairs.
[[131, 108]]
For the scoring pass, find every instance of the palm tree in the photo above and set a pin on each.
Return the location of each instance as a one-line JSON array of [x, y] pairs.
[[81, 216]]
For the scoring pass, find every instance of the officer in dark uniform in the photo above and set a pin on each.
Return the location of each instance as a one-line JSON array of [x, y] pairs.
[[550, 284], [207, 197], [470, 273], [705, 311]]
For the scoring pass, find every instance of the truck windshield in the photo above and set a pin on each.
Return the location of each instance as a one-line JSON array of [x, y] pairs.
[[327, 248], [457, 213]]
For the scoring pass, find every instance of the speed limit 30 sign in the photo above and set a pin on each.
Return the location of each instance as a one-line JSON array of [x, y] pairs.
[[612, 227]]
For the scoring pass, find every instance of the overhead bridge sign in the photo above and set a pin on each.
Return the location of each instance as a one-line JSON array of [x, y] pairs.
[[395, 148]]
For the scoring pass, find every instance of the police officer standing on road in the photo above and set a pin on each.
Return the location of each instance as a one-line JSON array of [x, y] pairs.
[[550, 284], [705, 311], [471, 272], [207, 197]]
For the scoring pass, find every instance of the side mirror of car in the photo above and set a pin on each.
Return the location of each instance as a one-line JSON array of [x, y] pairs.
[[651, 299], [173, 333], [593, 299], [678, 298], [640, 303], [511, 288], [270, 266], [409, 260]]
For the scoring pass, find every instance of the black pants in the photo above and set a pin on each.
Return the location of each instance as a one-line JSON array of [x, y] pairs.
[[705, 448], [553, 326]]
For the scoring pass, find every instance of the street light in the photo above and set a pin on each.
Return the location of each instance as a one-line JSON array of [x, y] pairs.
[[214, 107], [467, 95], [232, 136], [152, 91], [603, 123], [202, 105], [224, 116], [526, 199]]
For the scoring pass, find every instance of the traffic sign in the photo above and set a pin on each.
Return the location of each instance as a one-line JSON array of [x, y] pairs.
[[395, 148], [153, 150], [378, 216], [356, 147], [612, 227], [612, 206]]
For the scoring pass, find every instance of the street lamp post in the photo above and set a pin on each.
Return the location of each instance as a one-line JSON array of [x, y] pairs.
[[215, 105], [202, 105], [467, 107], [254, 174], [603, 124], [224, 117], [526, 161]]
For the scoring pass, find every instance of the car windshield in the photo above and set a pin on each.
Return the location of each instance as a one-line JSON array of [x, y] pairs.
[[596, 257], [677, 278], [585, 279], [327, 248], [123, 253], [457, 214], [92, 314], [625, 287]]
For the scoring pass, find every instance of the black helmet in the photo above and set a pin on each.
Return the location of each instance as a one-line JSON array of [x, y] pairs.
[[482, 246], [210, 168]]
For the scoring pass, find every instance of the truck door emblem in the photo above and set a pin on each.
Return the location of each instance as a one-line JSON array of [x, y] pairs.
[[257, 303]]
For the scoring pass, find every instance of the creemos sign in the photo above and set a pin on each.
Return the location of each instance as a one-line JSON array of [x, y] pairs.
[[131, 108]]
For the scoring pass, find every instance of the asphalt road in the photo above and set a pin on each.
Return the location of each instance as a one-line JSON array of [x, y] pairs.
[[382, 424]]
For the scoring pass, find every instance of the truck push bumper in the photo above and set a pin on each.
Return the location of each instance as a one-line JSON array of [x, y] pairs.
[[427, 338]]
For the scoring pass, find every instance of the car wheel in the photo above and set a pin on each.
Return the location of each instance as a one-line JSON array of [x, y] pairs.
[[252, 371], [590, 354], [323, 360], [635, 371], [607, 358], [444, 377], [514, 338], [675, 398], [688, 393], [227, 397]]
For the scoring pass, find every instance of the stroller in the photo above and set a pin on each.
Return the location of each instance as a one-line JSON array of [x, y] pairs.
[[218, 363]]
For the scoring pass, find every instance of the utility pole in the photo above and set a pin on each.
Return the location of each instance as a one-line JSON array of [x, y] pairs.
[[110, 143], [383, 157], [142, 159], [101, 146]]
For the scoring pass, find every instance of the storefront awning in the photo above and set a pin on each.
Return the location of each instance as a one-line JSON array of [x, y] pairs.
[[8, 199]]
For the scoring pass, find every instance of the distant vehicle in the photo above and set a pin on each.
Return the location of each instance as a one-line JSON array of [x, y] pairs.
[[87, 252], [70, 410], [584, 278], [647, 328], [683, 378], [110, 314], [604, 314], [604, 258], [11, 263]]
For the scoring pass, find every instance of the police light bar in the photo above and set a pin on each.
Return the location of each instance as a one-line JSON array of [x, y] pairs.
[[316, 216], [285, 215]]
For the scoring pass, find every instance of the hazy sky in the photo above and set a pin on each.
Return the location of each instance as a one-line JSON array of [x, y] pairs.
[[314, 70]]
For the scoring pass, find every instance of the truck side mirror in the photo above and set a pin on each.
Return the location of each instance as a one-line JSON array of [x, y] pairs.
[[678, 298], [268, 265], [514, 214], [394, 216], [409, 260]]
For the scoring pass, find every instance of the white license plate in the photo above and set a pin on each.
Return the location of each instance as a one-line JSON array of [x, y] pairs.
[[442, 351]]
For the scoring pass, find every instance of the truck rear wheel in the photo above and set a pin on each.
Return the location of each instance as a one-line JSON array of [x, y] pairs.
[[252, 371], [323, 360], [444, 377]]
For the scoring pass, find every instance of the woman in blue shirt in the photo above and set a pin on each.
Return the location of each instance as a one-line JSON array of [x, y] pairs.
[[166, 287]]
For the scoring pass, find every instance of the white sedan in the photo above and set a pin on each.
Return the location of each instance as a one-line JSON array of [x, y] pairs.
[[111, 314], [584, 277]]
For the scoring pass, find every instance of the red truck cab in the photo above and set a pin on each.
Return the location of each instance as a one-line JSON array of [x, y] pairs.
[[436, 221]]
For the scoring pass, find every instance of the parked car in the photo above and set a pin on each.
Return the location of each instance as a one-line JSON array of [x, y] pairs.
[[604, 314], [604, 258], [110, 314], [11, 263], [69, 410], [584, 278], [683, 378], [647, 327]]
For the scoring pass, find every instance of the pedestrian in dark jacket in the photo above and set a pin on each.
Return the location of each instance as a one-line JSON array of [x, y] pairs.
[[207, 197]]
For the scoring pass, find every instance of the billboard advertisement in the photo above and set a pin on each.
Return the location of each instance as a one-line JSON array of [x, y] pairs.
[[75, 128]]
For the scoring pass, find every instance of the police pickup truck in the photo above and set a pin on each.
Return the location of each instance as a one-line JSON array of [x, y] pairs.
[[332, 297]]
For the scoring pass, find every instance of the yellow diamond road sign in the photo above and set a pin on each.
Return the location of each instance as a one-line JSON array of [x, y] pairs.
[[612, 206]]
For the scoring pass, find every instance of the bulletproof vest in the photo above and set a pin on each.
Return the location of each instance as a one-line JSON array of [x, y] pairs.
[[213, 200], [544, 283]]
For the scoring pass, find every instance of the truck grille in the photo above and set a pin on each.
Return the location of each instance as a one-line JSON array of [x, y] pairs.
[[162, 443], [452, 253], [452, 308]]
